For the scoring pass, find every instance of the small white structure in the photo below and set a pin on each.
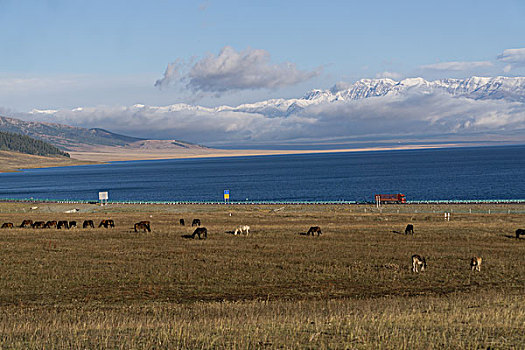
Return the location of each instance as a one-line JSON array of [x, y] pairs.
[[103, 196]]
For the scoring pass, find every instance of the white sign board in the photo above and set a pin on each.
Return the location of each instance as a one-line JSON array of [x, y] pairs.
[[103, 196]]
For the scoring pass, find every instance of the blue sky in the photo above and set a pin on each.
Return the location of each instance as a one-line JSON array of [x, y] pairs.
[[65, 54]]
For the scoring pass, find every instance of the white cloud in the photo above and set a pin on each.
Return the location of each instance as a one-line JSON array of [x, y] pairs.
[[389, 75], [387, 117], [230, 70], [514, 57], [457, 65]]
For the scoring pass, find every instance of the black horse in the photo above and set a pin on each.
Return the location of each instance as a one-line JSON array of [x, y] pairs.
[[88, 223], [196, 222], [409, 229], [519, 232], [63, 224], [181, 222]]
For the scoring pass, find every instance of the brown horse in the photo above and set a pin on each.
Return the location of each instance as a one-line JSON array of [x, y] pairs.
[[107, 223], [143, 225], [313, 230], [27, 223], [50, 224], [200, 231], [39, 224], [7, 225]]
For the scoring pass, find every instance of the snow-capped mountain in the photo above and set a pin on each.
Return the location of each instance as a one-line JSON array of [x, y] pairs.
[[479, 88]]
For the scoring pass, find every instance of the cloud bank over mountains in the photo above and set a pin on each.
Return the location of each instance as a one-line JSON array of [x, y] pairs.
[[370, 109], [230, 70]]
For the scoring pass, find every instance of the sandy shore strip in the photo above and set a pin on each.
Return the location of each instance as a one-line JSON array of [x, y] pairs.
[[109, 154]]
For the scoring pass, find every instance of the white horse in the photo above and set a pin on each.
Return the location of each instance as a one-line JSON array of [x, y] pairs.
[[242, 229]]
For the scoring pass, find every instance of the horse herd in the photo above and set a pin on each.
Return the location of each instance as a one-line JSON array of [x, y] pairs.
[[61, 224], [419, 263]]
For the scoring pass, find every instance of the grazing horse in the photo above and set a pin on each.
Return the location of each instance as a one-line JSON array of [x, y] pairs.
[[409, 229], [50, 224], [7, 225], [313, 230], [107, 223], [519, 232], [27, 223], [196, 222], [475, 263], [143, 225], [63, 224], [418, 261], [72, 224], [198, 231], [39, 224], [242, 229], [181, 222], [88, 223]]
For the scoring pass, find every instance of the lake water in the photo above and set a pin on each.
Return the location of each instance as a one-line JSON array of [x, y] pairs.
[[440, 174]]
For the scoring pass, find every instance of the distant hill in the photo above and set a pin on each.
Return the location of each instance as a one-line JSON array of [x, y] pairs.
[[73, 138], [28, 145], [64, 136]]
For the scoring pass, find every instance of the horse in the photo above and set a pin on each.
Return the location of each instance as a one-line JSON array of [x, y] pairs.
[[63, 224], [418, 261], [7, 225], [519, 232], [39, 224], [143, 225], [107, 223], [50, 224], [242, 229], [196, 222], [198, 231], [475, 263], [72, 224], [26, 223], [88, 223], [313, 230], [409, 229], [181, 222]]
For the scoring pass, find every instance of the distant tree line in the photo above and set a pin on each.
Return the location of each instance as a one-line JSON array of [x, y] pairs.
[[26, 144]]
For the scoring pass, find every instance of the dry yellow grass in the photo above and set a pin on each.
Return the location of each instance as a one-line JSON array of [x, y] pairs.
[[350, 288], [13, 161]]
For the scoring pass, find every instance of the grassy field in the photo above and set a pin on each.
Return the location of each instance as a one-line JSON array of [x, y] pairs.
[[13, 161], [350, 288]]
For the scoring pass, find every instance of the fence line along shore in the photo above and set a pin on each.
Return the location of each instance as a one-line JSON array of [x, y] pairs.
[[267, 202]]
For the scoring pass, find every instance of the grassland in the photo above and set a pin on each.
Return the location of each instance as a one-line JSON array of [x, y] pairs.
[[350, 288], [13, 161]]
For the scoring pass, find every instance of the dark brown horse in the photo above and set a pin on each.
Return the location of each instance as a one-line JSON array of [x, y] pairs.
[[50, 224], [313, 230], [519, 232], [72, 224], [143, 225], [196, 222], [63, 224], [181, 222], [200, 231], [409, 229], [39, 224], [88, 223], [27, 223], [107, 223], [7, 225]]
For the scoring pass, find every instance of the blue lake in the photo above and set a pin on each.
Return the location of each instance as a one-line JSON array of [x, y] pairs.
[[448, 174]]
